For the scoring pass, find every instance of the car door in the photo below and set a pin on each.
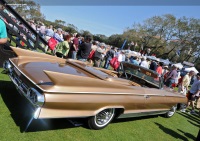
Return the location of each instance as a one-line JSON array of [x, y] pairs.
[[156, 102]]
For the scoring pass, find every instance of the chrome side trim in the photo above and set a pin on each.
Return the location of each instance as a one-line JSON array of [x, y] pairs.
[[142, 114]]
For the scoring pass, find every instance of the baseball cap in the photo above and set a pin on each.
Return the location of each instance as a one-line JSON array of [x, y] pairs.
[[59, 29], [102, 44]]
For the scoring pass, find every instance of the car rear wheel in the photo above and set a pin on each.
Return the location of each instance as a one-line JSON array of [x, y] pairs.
[[171, 112], [102, 119]]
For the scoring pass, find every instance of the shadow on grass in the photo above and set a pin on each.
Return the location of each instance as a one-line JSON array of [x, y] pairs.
[[190, 117], [171, 132], [188, 135], [197, 125], [197, 115], [133, 118], [22, 111]]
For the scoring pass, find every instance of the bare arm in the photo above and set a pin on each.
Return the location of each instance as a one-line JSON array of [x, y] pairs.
[[3, 40]]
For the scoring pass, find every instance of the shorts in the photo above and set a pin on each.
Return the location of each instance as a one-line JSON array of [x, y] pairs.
[[190, 97]]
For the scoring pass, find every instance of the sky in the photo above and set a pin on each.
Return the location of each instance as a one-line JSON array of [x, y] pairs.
[[108, 20]]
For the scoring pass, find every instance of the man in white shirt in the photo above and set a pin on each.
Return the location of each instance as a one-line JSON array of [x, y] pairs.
[[121, 56], [144, 63]]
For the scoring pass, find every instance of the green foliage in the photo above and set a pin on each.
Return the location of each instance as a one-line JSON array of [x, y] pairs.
[[115, 40], [100, 38], [71, 28], [29, 9], [85, 33], [165, 35]]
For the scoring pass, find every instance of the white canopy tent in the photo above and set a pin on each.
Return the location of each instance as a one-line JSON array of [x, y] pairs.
[[192, 68], [152, 57], [178, 65], [133, 53], [165, 61]]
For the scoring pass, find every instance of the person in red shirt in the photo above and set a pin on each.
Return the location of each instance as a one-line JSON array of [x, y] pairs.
[[75, 46], [159, 68]]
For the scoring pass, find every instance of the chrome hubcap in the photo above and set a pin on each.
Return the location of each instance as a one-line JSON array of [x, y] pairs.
[[104, 117]]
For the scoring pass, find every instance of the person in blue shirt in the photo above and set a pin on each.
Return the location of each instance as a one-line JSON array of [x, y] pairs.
[[133, 60], [3, 32]]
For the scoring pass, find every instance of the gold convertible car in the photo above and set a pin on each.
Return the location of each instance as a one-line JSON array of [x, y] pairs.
[[60, 88]]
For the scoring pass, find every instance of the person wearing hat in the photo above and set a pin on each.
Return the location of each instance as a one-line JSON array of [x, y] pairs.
[[165, 70], [193, 93], [98, 54], [58, 35]]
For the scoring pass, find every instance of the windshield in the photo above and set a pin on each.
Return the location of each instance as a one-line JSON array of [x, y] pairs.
[[143, 76]]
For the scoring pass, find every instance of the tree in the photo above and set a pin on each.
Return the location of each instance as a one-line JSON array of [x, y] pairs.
[[115, 40], [28, 9], [168, 37], [60, 22], [71, 28], [85, 33], [100, 38]]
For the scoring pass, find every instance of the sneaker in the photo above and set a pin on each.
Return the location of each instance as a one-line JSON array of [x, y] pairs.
[[192, 112], [183, 110]]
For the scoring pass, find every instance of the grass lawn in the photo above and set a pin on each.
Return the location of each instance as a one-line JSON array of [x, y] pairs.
[[15, 113]]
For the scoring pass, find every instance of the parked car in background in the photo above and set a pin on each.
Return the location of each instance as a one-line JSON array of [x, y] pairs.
[[59, 88]]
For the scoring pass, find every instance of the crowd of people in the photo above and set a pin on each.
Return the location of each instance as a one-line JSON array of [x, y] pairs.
[[74, 46]]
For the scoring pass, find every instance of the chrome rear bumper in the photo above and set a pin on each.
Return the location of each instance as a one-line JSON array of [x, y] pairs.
[[31, 94]]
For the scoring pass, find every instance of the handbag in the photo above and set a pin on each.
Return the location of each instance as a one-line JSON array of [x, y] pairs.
[[114, 63], [52, 43], [91, 55]]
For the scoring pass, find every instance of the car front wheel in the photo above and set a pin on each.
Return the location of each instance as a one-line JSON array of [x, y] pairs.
[[171, 112], [102, 119]]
